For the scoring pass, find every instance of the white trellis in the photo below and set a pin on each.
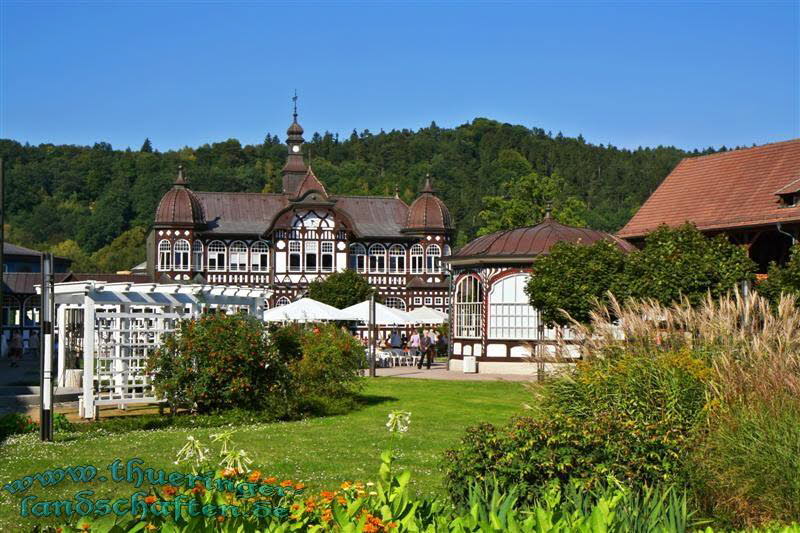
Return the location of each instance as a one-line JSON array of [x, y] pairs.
[[124, 322]]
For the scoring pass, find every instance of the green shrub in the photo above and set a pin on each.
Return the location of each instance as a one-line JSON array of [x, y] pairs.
[[748, 468], [331, 363], [220, 361], [15, 424], [785, 279], [625, 416]]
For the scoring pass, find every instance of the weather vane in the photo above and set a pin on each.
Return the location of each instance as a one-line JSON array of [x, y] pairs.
[[294, 99]]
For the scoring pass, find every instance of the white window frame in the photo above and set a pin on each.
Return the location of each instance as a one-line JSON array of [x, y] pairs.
[[283, 300], [377, 259], [397, 259], [164, 255], [417, 300], [218, 255], [468, 319], [181, 254], [428, 301], [197, 256], [357, 258], [237, 257], [259, 257], [395, 302], [295, 249], [511, 316], [433, 257], [438, 301], [327, 252], [311, 256], [417, 262]]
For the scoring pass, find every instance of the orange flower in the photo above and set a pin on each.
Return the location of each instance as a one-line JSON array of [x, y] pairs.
[[150, 499], [341, 500], [85, 527], [228, 472], [220, 518], [150, 527], [369, 528], [299, 486], [327, 495], [286, 483], [198, 489], [254, 475], [271, 479], [170, 490], [327, 515], [295, 506]]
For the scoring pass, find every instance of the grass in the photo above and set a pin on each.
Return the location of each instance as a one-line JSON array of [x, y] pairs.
[[321, 452]]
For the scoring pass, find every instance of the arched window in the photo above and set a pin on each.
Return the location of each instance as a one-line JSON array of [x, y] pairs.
[[397, 259], [433, 256], [216, 256], [197, 256], [238, 257], [358, 258], [447, 250], [395, 303], [164, 255], [295, 256], [377, 259], [181, 255], [283, 300], [468, 308], [417, 254], [259, 257], [510, 314]]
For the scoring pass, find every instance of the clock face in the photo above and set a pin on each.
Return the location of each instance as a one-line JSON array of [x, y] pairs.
[[296, 148]]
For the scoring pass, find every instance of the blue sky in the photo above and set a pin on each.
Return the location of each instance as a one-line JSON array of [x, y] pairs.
[[690, 74]]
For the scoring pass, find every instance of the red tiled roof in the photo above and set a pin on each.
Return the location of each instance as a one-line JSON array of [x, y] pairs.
[[428, 213], [720, 191]]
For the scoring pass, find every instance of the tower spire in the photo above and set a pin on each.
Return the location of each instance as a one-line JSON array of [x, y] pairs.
[[294, 100], [181, 179]]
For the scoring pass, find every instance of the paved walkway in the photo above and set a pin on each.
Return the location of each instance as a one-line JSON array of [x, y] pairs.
[[439, 371]]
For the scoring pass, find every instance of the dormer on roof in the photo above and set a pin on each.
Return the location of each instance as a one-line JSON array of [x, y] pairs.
[[789, 195], [309, 185]]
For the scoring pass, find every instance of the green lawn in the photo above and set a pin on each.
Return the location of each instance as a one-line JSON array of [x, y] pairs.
[[321, 452]]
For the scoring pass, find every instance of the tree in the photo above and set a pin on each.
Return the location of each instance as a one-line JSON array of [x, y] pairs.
[[81, 261], [340, 289], [785, 279], [574, 277], [123, 253], [525, 201], [674, 263], [682, 262], [147, 146]]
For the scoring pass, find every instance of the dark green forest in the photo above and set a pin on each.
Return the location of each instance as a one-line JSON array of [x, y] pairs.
[[94, 204]]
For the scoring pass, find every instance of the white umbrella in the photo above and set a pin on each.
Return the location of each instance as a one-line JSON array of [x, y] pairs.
[[426, 315], [384, 316], [306, 310]]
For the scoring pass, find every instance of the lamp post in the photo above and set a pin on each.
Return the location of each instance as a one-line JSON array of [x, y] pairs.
[[372, 339]]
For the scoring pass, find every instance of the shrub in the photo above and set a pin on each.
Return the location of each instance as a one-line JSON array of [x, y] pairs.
[[341, 289], [784, 279], [15, 424], [331, 363], [220, 361], [624, 416]]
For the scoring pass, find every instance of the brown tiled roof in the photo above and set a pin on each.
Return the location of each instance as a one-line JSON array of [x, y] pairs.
[[428, 212], [15, 249], [179, 207], [374, 216], [310, 183], [240, 212], [24, 282], [528, 242], [720, 191]]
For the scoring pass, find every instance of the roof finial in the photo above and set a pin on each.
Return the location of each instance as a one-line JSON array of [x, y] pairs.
[[181, 179], [428, 187], [548, 208], [294, 99], [397, 191]]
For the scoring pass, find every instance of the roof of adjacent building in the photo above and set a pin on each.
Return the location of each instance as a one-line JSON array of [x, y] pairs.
[[526, 243], [24, 283], [428, 213], [726, 190]]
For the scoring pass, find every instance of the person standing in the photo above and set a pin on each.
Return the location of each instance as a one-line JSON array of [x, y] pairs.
[[15, 348], [425, 348], [413, 344], [33, 344]]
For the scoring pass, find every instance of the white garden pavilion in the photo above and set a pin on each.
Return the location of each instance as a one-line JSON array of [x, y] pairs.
[[115, 326]]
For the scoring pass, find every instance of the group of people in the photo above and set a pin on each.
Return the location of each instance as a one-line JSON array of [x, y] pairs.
[[425, 344]]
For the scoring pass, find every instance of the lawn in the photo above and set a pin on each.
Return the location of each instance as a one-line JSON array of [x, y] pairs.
[[321, 452]]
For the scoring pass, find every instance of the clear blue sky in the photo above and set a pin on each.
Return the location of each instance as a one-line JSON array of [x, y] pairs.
[[186, 73]]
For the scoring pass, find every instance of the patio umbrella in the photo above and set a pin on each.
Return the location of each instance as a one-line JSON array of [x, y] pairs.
[[426, 315], [306, 310], [384, 316]]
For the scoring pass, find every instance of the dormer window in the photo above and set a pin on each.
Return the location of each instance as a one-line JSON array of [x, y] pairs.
[[790, 194]]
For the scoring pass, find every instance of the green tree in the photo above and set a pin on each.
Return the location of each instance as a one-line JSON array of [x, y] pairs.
[[340, 289], [573, 277], [681, 261], [785, 279], [525, 201], [147, 146], [81, 261], [123, 253]]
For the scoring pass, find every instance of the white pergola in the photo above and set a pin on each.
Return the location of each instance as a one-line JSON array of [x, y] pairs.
[[122, 323]]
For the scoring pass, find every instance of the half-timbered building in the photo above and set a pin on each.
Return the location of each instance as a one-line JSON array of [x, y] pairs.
[[286, 240]]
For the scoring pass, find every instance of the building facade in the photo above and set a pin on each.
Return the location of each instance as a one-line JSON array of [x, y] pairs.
[[493, 320], [751, 195], [286, 240]]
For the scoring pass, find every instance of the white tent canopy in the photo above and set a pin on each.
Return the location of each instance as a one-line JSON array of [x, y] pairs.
[[306, 310], [384, 316], [426, 315]]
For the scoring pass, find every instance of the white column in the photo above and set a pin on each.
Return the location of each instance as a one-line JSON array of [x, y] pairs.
[[88, 358], [61, 314]]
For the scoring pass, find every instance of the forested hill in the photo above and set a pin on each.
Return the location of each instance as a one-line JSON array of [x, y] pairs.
[[94, 203]]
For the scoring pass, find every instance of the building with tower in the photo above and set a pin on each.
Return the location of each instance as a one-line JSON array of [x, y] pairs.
[[286, 240]]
